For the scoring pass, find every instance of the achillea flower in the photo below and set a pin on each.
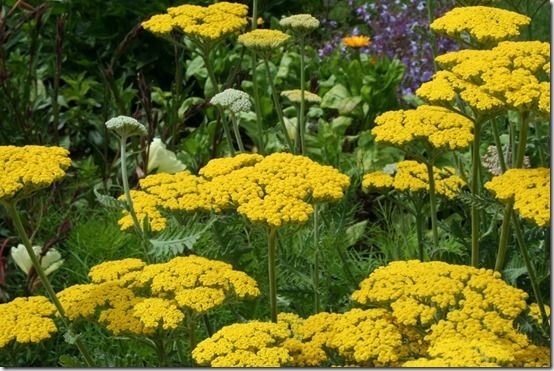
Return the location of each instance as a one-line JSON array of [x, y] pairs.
[[126, 126], [162, 159], [356, 41], [486, 25], [24, 170], [26, 320], [295, 96], [530, 190], [251, 344], [440, 127], [49, 262], [223, 166], [145, 205], [263, 40], [535, 313], [206, 24], [301, 24], [129, 296], [412, 176], [234, 100]]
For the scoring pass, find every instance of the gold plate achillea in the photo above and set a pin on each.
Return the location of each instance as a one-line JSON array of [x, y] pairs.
[[129, 296], [26, 169], [529, 188], [484, 24], [209, 23], [412, 176], [26, 320], [438, 126]]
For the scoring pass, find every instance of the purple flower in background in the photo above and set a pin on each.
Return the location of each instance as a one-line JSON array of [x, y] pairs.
[[400, 29]]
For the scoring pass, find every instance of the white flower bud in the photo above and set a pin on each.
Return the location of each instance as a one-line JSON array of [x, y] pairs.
[[126, 126], [49, 263], [162, 159], [234, 100]]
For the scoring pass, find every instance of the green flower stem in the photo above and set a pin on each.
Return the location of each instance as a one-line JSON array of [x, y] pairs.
[[530, 269], [272, 234], [160, 351], [192, 336], [211, 75], [126, 190], [432, 35], [237, 132], [14, 215], [475, 164], [278, 105], [419, 228], [179, 53], [538, 138], [508, 209], [301, 127], [257, 104], [315, 276], [498, 143], [433, 202]]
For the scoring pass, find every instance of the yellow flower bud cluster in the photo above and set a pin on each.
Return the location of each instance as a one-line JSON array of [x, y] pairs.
[[275, 190], [530, 190], [26, 169], [130, 296], [438, 126], [535, 313], [486, 25], [26, 320], [509, 76], [205, 23], [465, 315], [412, 176]]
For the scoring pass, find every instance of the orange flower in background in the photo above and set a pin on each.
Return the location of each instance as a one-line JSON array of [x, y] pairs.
[[356, 41]]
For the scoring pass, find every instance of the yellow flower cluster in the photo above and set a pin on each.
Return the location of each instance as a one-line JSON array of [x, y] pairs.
[[275, 190], [252, 344], [535, 313], [412, 176], [145, 205], [131, 296], [465, 315], [437, 126], [530, 190], [205, 23], [356, 41], [295, 96], [486, 25], [263, 40], [26, 320], [507, 76], [26, 169]]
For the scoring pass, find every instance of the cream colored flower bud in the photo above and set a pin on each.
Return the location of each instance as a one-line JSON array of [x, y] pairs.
[[49, 263], [162, 159]]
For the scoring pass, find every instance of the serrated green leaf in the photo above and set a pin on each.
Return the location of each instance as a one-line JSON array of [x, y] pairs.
[[109, 201]]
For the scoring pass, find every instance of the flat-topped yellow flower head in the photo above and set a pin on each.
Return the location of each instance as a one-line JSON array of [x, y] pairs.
[[356, 42], [130, 296], [26, 320], [24, 170], [412, 176], [210, 23], [264, 40], [485, 25], [530, 190], [439, 127]]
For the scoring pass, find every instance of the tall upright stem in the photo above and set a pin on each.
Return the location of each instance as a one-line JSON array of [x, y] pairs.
[[278, 105], [433, 40], [433, 202], [498, 143], [508, 209], [475, 165], [272, 234], [315, 277], [257, 104], [237, 132], [419, 229], [301, 127], [14, 215]]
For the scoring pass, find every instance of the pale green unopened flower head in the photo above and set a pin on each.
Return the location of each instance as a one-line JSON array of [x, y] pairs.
[[49, 262], [162, 159], [126, 126], [263, 40], [300, 23], [295, 96], [390, 169], [234, 100]]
